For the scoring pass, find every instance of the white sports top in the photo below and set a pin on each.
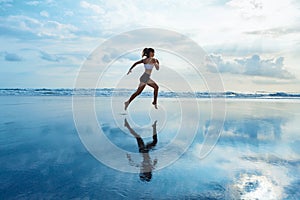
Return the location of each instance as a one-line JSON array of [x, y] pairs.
[[148, 66]]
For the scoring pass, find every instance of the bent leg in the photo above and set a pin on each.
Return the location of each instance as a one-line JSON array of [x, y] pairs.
[[154, 137], [152, 84], [139, 140], [137, 92]]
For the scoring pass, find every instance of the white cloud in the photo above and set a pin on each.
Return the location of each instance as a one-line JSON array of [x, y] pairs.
[[57, 30], [116, 16], [44, 13], [254, 66], [69, 13], [276, 32], [97, 9], [36, 3], [38, 28], [266, 12], [33, 3], [233, 29], [20, 22], [49, 1], [248, 8]]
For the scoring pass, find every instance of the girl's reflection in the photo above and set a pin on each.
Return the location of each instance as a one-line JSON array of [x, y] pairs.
[[147, 164]]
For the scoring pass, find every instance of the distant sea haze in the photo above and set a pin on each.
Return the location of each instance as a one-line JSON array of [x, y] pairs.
[[107, 92]]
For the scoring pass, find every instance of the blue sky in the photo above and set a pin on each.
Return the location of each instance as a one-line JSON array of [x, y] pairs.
[[255, 44]]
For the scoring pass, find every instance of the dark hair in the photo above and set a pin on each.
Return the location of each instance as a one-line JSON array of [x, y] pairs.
[[147, 51]]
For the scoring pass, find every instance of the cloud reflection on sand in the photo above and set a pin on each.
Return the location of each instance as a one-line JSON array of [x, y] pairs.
[[256, 151]]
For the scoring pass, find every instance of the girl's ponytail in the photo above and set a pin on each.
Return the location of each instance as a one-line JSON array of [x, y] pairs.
[[145, 52]]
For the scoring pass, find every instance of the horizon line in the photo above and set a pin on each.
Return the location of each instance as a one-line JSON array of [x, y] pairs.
[[111, 88]]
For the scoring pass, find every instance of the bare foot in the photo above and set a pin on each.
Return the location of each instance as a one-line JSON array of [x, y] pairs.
[[126, 103], [155, 105]]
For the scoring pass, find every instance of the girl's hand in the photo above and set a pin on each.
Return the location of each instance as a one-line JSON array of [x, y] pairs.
[[154, 60], [128, 72]]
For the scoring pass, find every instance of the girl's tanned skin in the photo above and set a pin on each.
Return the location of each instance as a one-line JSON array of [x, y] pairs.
[[149, 62]]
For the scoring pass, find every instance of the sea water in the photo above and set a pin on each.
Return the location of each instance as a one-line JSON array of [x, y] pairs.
[[256, 155]]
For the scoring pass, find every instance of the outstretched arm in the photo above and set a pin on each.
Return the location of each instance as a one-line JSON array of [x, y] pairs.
[[136, 63], [131, 162]]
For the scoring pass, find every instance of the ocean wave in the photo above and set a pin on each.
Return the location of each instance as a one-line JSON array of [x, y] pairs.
[[109, 92]]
